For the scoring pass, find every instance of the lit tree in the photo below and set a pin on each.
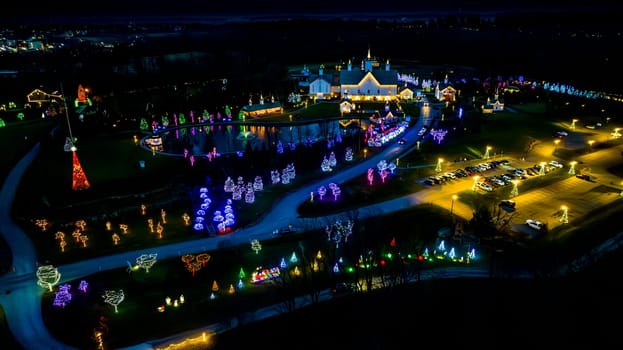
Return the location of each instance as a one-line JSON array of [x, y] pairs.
[[193, 267], [332, 160], [48, 276], [322, 191], [249, 197], [187, 258], [62, 244], [114, 298], [279, 147], [258, 185], [229, 185], [256, 246], [146, 261], [62, 297], [203, 258], [349, 154], [59, 235], [83, 240]]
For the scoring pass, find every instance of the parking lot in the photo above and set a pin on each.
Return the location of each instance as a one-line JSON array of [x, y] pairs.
[[545, 203]]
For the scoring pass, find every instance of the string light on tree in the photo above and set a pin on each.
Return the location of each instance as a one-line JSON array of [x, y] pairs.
[[47, 276], [256, 246], [146, 261], [114, 298], [63, 296]]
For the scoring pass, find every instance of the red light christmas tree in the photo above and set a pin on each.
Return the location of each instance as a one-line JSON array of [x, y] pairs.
[[79, 180]]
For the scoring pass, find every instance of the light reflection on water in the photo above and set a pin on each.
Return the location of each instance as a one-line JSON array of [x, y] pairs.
[[201, 139]]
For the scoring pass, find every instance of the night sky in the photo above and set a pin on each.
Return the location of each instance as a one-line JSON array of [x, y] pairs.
[[64, 7]]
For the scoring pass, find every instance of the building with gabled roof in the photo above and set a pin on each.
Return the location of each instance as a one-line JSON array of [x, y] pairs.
[[370, 82], [39, 97], [323, 85], [261, 109]]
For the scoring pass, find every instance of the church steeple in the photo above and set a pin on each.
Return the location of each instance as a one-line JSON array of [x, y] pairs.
[[369, 52]]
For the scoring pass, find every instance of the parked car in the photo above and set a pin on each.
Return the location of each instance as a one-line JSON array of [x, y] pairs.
[[555, 163], [485, 186], [507, 203], [537, 225], [401, 141], [584, 177]]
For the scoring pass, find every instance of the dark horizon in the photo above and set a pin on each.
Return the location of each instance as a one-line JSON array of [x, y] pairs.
[[63, 12]]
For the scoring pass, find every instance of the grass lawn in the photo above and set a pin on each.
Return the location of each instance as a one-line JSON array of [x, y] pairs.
[[17, 138], [144, 292]]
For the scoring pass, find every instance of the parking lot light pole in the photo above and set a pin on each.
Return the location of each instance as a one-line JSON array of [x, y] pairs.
[[474, 186], [572, 167], [515, 191], [438, 167], [486, 156], [564, 218], [454, 196]]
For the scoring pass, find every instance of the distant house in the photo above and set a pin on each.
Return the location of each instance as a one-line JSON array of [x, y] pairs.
[[447, 94], [406, 94], [369, 83], [493, 105], [346, 106], [262, 109], [38, 98], [321, 86]]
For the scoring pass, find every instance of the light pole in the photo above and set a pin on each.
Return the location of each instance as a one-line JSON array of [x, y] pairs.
[[454, 196], [573, 123], [564, 218], [542, 169], [515, 190], [590, 145], [572, 167], [438, 167], [486, 156], [474, 186], [556, 142]]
